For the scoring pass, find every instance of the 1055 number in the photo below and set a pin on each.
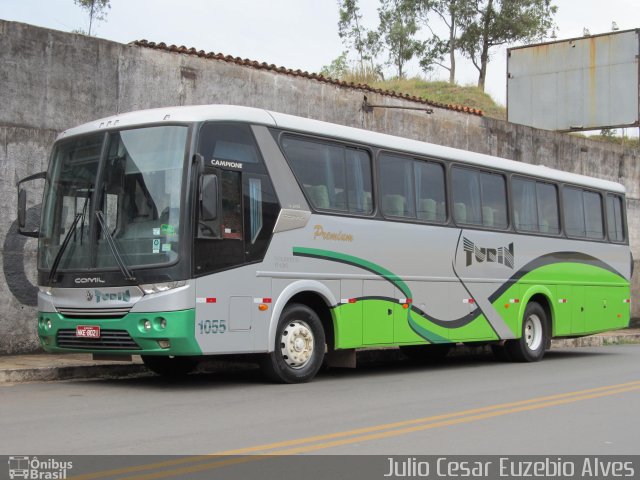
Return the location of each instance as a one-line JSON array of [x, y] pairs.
[[212, 326]]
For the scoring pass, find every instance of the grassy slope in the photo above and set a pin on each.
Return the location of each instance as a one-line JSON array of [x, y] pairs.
[[444, 92]]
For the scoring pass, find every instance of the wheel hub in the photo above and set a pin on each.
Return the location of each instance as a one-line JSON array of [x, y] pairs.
[[533, 332], [297, 344]]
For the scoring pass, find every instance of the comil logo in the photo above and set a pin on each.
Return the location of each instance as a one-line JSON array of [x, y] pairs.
[[82, 280], [502, 255], [34, 468]]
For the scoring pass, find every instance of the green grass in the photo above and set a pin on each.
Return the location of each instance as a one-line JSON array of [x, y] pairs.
[[626, 141], [444, 92]]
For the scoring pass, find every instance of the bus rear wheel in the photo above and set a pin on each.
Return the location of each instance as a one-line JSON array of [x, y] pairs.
[[299, 347], [173, 367], [531, 345]]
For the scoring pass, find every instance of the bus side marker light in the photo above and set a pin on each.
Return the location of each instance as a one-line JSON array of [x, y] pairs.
[[506, 305], [514, 300], [206, 300], [263, 307], [348, 300], [626, 300], [262, 300], [562, 300], [468, 300], [619, 315]]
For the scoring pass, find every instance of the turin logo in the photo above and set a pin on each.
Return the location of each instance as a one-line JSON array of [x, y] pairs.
[[501, 255]]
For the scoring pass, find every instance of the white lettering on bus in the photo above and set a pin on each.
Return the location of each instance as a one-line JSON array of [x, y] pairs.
[[224, 163]]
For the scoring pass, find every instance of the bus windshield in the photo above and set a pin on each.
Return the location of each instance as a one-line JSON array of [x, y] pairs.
[[133, 180]]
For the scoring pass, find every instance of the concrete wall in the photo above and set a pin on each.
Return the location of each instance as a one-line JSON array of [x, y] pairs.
[[51, 80]]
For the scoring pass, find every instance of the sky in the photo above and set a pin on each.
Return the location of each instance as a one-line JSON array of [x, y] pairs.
[[297, 34]]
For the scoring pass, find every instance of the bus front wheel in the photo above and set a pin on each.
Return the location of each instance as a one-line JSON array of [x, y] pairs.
[[531, 345], [299, 347]]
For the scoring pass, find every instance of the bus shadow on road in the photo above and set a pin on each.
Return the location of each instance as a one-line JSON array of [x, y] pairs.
[[220, 372]]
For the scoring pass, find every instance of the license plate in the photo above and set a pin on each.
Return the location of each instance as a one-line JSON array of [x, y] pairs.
[[88, 331]]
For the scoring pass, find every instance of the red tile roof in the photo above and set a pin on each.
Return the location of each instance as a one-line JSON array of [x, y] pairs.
[[298, 73]]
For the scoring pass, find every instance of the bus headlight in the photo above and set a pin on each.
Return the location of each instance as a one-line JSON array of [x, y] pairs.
[[151, 288]]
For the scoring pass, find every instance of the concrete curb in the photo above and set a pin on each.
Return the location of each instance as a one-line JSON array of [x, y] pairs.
[[596, 340], [82, 368], [75, 372]]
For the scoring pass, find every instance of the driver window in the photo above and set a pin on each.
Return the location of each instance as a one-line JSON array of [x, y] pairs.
[[228, 225]]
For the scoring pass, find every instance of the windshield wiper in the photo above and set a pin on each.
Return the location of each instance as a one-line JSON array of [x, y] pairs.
[[128, 274], [63, 247], [84, 213]]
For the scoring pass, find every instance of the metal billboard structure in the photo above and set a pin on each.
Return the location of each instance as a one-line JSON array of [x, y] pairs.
[[578, 84]]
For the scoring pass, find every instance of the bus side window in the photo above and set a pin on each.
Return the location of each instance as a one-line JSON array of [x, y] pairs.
[[479, 198], [594, 224], [525, 209], [573, 212], [261, 211], [430, 191], [494, 200], [615, 225], [583, 213], [466, 196], [548, 215], [334, 177], [397, 186], [535, 206]]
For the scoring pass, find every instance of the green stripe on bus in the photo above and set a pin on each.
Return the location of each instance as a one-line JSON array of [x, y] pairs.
[[356, 261]]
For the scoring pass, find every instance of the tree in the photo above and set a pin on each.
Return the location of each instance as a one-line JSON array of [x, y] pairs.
[[338, 68], [354, 35], [498, 22], [608, 133], [398, 28], [97, 10], [455, 14]]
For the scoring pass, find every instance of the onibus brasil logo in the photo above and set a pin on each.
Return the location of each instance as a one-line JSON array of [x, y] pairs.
[[501, 255], [37, 469]]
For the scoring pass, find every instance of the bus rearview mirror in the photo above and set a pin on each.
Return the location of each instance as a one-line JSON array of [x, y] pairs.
[[22, 208], [209, 198], [22, 204]]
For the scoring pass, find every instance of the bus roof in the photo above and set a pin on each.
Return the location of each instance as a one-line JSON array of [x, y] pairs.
[[234, 113]]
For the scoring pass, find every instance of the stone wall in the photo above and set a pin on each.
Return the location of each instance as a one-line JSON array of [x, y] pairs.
[[53, 80]]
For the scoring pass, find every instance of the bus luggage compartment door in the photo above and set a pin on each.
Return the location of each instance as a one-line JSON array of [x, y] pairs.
[[377, 312]]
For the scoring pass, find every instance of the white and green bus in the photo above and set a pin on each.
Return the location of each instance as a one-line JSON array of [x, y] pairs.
[[177, 233]]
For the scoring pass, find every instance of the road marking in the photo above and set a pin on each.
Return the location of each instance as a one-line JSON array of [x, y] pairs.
[[388, 430]]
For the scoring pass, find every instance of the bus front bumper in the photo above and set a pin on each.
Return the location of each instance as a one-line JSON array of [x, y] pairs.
[[154, 333]]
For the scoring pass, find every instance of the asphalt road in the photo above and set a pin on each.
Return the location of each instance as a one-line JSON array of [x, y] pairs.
[[576, 401]]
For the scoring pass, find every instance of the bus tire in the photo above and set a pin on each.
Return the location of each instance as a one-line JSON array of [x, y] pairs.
[[299, 346], [172, 367], [534, 338], [426, 353]]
